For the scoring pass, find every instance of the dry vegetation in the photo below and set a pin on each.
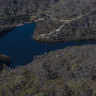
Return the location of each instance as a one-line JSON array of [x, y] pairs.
[[78, 22], [76, 16], [66, 72]]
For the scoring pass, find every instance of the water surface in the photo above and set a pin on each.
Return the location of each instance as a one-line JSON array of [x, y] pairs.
[[21, 47]]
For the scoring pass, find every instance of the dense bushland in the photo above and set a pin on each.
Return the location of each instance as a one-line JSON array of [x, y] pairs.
[[76, 16], [65, 72]]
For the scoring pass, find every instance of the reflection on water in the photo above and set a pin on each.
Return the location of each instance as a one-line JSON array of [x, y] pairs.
[[4, 32]]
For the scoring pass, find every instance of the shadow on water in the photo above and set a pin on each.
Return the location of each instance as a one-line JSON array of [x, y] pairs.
[[4, 32], [20, 45]]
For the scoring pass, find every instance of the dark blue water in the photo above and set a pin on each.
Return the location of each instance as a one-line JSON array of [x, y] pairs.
[[20, 45]]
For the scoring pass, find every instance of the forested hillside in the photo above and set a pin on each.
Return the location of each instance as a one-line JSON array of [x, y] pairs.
[[66, 72], [57, 20]]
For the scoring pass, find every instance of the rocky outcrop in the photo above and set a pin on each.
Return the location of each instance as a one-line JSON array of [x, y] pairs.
[[4, 61]]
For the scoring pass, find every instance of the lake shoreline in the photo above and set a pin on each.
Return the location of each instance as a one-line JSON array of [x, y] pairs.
[[31, 44]]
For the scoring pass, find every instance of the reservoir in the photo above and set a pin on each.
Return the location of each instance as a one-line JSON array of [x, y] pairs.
[[21, 47]]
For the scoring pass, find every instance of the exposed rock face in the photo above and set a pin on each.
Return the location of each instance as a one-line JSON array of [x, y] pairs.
[[4, 60]]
